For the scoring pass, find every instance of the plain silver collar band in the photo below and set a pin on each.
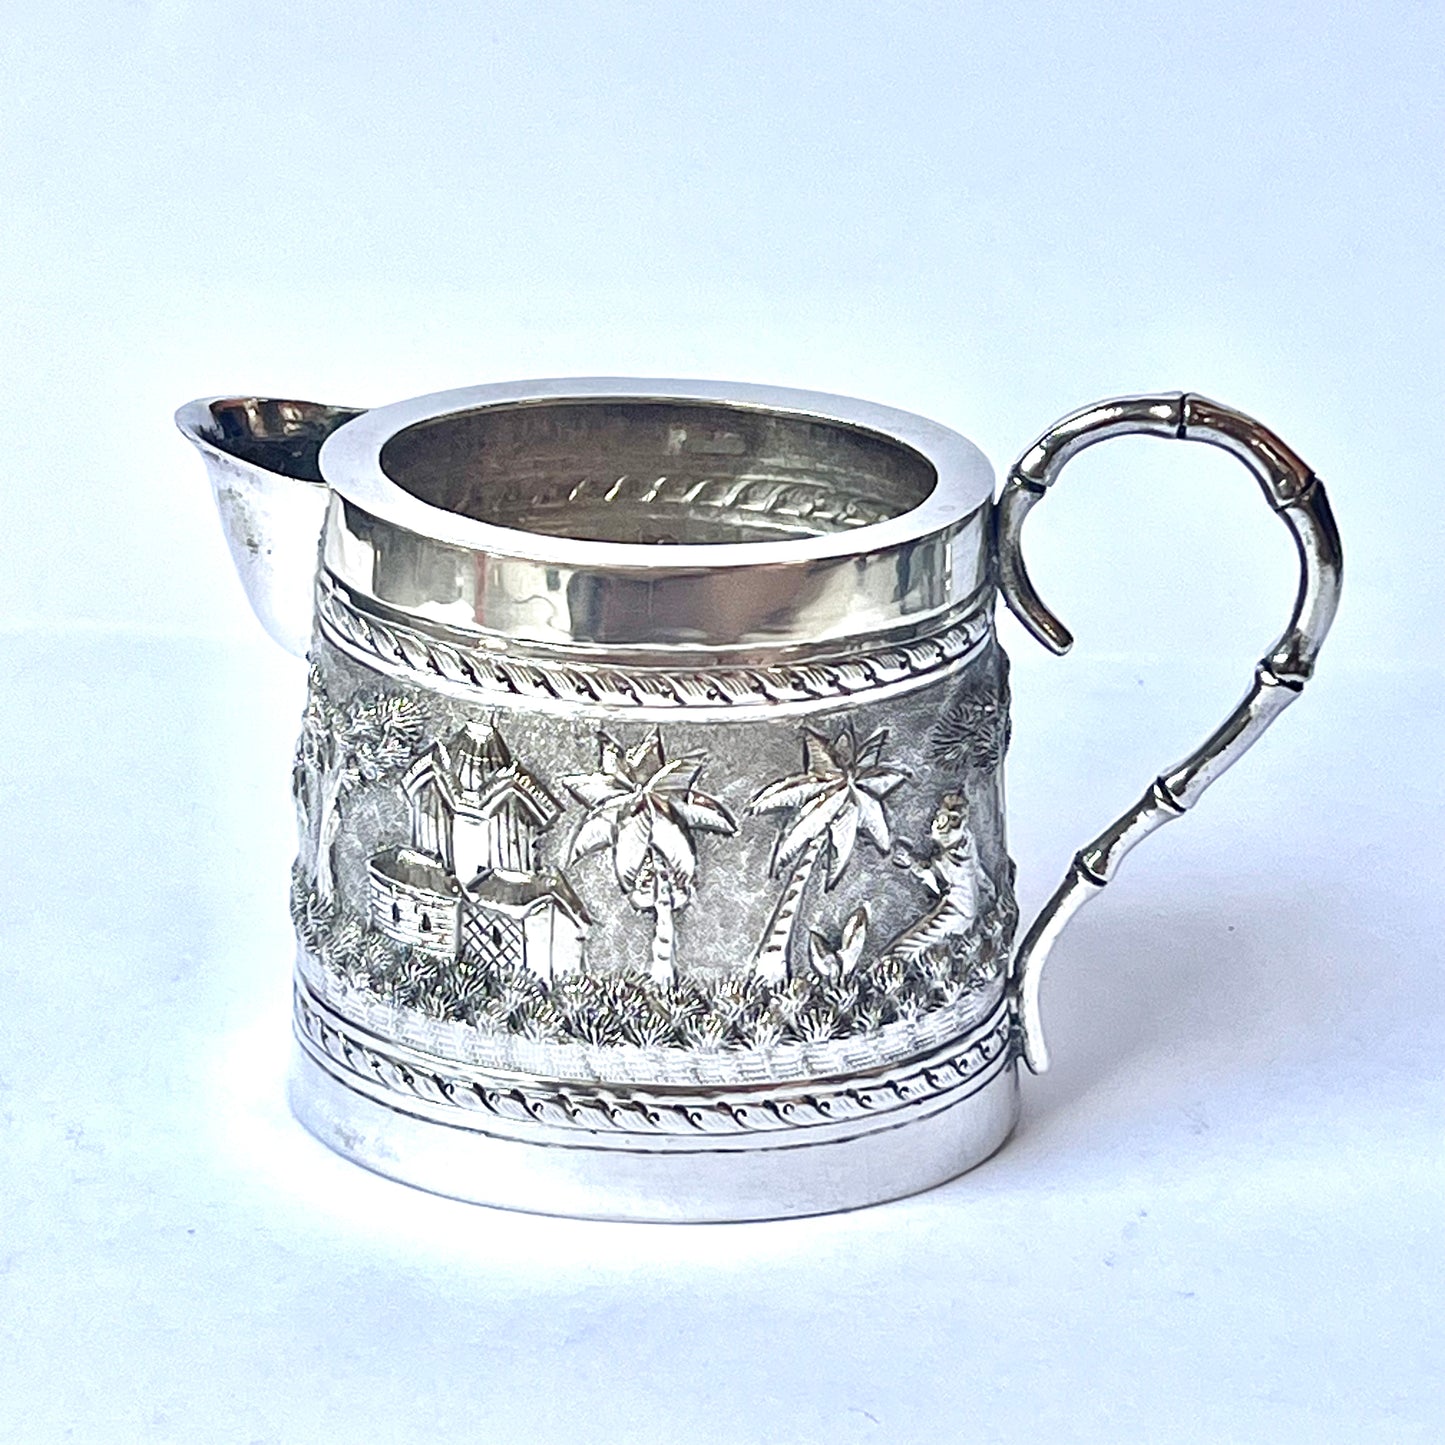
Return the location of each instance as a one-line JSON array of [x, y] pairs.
[[448, 569]]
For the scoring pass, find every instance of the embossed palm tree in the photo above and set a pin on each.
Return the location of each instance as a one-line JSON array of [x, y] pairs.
[[646, 808], [973, 729], [839, 794]]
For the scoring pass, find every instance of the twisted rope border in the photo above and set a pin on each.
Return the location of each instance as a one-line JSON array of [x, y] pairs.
[[399, 648], [474, 1093]]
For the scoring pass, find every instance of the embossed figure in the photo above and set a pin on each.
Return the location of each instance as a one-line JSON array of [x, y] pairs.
[[839, 793], [475, 815], [646, 808], [950, 870]]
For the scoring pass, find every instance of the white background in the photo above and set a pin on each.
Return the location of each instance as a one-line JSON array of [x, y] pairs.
[[1220, 1219]]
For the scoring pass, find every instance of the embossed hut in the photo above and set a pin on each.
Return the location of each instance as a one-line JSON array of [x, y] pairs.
[[415, 901], [469, 885]]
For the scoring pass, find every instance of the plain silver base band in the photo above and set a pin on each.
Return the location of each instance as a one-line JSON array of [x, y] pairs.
[[919, 1151]]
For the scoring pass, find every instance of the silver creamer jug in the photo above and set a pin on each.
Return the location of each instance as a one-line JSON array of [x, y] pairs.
[[649, 787]]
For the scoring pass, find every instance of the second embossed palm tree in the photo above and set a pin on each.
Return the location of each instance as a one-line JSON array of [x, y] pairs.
[[839, 795]]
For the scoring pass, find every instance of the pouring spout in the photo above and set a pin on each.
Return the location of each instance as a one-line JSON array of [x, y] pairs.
[[261, 456]]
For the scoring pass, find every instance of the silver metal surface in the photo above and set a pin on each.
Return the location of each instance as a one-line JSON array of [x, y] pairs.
[[1299, 498], [261, 456], [650, 786], [614, 514], [718, 897], [919, 1150]]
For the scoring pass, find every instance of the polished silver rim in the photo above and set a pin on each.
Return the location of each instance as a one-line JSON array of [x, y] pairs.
[[351, 462]]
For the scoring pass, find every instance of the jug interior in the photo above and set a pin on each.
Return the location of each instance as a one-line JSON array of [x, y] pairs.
[[279, 436], [656, 471]]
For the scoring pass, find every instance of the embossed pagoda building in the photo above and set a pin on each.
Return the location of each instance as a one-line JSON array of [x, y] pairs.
[[468, 886]]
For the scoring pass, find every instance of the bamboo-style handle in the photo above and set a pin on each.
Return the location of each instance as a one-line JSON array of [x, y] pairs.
[[1298, 497]]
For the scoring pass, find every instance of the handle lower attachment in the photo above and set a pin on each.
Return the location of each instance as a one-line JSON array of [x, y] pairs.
[[1298, 497]]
